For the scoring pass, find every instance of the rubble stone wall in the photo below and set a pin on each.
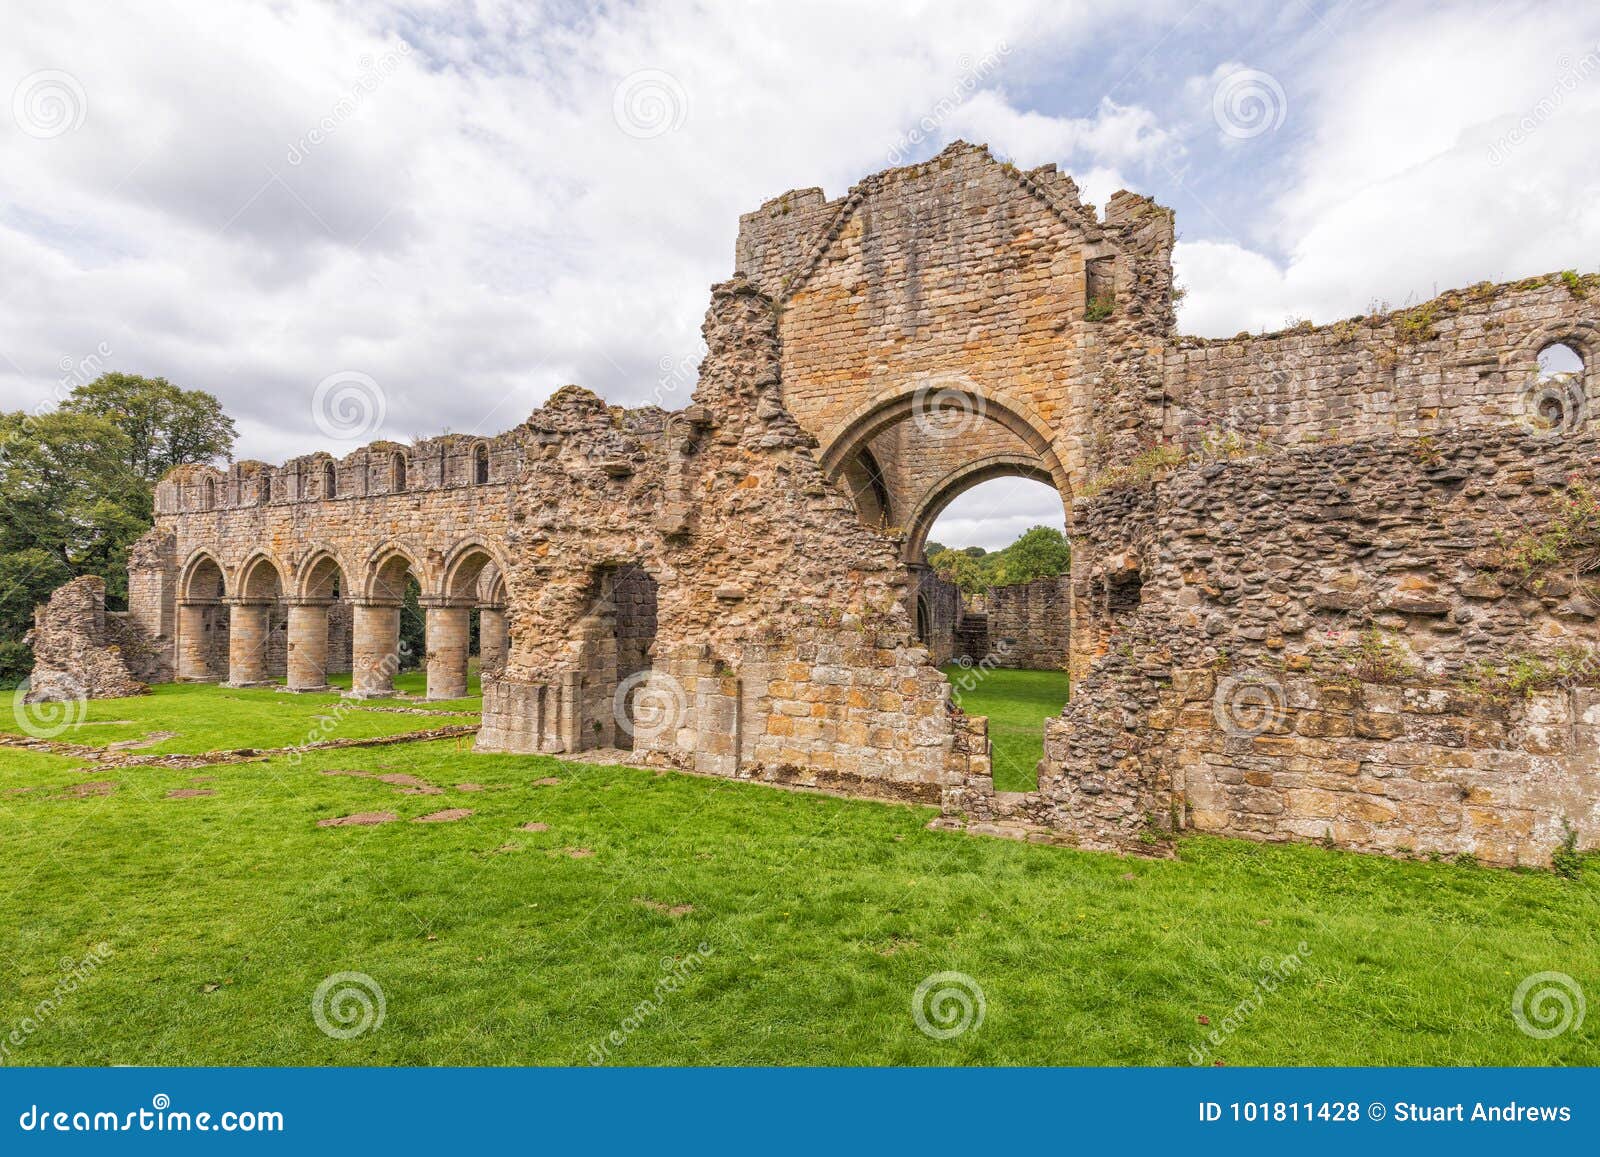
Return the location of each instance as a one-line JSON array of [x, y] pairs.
[[1371, 541]]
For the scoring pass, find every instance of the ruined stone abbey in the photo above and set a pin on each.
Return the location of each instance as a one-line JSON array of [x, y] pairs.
[[1331, 584]]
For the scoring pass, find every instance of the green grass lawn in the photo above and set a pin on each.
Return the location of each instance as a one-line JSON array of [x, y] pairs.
[[212, 718], [1017, 704], [797, 926]]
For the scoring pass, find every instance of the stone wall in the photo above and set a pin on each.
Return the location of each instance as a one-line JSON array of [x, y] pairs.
[[1372, 540], [783, 647], [78, 653], [1029, 624], [1387, 644]]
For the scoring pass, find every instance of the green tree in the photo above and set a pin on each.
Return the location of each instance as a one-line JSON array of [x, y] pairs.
[[165, 426], [76, 489], [1041, 552]]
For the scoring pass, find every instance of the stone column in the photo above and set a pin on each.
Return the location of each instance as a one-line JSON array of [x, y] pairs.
[[448, 632], [194, 663], [248, 624], [308, 645], [376, 649], [493, 642]]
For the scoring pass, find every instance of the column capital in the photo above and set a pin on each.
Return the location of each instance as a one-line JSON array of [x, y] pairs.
[[246, 601], [310, 601], [390, 604], [447, 603]]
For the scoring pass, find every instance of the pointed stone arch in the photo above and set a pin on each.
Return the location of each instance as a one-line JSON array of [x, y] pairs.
[[904, 402], [956, 483]]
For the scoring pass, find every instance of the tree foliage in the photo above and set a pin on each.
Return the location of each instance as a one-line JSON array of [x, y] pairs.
[[75, 489], [1039, 553]]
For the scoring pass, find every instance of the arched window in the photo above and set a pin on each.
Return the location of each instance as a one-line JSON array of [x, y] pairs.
[[480, 464], [263, 489], [397, 472], [1557, 402], [208, 493], [924, 620], [330, 480]]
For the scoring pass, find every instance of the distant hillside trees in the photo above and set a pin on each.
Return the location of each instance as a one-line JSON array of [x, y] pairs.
[[1040, 552]]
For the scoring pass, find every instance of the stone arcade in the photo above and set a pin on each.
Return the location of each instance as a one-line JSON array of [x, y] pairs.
[[1299, 559]]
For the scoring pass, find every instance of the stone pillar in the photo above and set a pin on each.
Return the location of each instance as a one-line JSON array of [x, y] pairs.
[[493, 641], [376, 649], [308, 645], [248, 624], [194, 663], [449, 629]]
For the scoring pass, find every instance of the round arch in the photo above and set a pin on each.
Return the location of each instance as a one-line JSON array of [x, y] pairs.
[[321, 573], [261, 577], [465, 565], [963, 478], [384, 575], [203, 578]]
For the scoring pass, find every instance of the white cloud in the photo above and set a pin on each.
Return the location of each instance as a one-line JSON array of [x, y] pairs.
[[472, 232], [1433, 153]]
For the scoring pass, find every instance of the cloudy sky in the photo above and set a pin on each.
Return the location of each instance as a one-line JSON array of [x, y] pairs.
[[456, 208]]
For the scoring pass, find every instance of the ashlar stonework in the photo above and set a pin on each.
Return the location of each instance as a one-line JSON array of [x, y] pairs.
[[1335, 583]]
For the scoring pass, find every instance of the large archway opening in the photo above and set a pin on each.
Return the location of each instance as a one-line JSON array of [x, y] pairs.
[[969, 482], [994, 598]]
